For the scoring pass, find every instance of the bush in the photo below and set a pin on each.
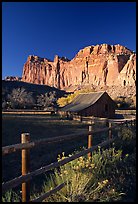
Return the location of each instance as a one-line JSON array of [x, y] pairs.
[[126, 139], [125, 103], [11, 196], [20, 98], [69, 98], [109, 175], [4, 105], [47, 100], [98, 179]]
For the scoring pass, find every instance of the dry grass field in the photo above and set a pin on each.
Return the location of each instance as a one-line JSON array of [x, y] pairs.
[[42, 126], [39, 126]]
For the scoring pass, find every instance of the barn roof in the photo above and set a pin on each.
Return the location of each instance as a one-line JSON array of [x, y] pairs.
[[82, 101]]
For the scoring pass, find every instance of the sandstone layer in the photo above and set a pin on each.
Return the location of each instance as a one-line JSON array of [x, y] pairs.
[[100, 66]]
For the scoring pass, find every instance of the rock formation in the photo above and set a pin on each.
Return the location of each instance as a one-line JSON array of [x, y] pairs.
[[100, 65]]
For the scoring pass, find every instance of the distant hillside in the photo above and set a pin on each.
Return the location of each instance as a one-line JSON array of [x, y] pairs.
[[36, 89]]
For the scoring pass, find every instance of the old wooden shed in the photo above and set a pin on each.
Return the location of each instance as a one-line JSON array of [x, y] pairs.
[[97, 104]]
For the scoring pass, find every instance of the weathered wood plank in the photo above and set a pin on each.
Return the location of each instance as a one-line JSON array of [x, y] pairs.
[[17, 181], [16, 147], [25, 138], [47, 194]]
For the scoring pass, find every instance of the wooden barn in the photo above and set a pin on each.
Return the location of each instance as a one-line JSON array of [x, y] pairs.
[[97, 104]]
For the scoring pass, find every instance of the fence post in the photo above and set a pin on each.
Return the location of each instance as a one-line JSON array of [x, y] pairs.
[[25, 138], [110, 131], [131, 123], [109, 125], [126, 123], [90, 140]]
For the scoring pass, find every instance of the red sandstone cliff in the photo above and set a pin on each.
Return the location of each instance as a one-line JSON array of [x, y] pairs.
[[98, 65]]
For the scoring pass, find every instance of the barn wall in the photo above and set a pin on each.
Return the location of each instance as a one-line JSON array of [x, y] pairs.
[[98, 109]]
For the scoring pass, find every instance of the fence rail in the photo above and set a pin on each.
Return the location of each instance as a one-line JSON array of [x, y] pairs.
[[129, 112], [13, 148], [30, 175], [96, 119], [16, 147], [24, 178], [47, 194], [29, 111]]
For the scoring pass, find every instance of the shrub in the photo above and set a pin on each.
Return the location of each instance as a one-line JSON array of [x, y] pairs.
[[68, 99], [126, 139], [20, 98], [125, 102], [47, 100], [10, 196], [4, 105], [94, 179]]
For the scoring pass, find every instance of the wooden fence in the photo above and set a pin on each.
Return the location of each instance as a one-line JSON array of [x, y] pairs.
[[26, 145], [27, 112], [92, 119]]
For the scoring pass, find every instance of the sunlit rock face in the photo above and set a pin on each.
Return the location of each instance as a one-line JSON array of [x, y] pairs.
[[100, 65]]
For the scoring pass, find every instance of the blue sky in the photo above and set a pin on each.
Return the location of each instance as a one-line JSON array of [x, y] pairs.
[[47, 29]]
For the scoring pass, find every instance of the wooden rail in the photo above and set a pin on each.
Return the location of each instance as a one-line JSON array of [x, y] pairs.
[[35, 112], [47, 194], [13, 148], [27, 176], [127, 112], [24, 178], [96, 119]]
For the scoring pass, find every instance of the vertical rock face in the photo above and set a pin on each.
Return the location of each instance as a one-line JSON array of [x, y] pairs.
[[127, 76], [100, 65]]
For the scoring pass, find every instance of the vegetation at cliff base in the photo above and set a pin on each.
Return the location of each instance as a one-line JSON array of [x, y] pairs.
[[69, 98]]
